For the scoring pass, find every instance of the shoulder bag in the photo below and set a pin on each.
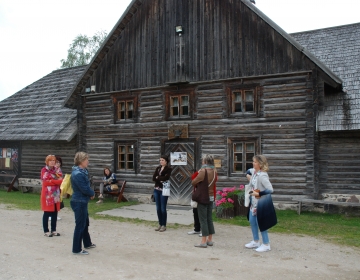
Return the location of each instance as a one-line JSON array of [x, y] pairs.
[[201, 192], [166, 188]]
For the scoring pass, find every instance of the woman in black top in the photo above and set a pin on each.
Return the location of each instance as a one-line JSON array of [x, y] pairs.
[[162, 173]]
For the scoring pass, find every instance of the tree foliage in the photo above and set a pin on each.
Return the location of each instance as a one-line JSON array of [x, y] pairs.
[[82, 49]]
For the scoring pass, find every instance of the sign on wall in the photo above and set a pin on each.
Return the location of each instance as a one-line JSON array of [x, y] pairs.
[[178, 158]]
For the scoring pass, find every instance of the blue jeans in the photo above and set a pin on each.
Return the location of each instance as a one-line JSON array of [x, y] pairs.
[[81, 232], [161, 202], [255, 230]]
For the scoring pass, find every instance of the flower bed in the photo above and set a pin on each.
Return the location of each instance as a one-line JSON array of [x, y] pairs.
[[230, 202]]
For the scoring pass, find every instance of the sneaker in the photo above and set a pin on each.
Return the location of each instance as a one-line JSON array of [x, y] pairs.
[[263, 248], [99, 201], [162, 229], [91, 246], [200, 234], [252, 245], [193, 232], [82, 252], [58, 218]]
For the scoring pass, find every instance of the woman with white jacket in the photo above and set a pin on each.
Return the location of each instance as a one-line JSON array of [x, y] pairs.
[[261, 213]]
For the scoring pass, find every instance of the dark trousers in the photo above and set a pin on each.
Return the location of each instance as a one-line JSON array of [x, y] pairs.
[[81, 232], [53, 215], [161, 202], [196, 220], [205, 217]]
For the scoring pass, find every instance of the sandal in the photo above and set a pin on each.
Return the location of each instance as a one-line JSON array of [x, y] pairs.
[[54, 233], [48, 234]]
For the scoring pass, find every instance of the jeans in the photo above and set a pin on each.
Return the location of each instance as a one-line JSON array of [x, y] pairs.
[[255, 230], [205, 217], [161, 202], [45, 221], [81, 232]]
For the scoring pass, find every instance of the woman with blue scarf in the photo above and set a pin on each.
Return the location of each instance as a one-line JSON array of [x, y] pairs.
[[82, 193]]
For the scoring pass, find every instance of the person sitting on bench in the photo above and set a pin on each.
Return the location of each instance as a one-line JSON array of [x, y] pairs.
[[108, 179]]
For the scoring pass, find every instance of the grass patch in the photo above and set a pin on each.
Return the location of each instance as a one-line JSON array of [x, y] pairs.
[[338, 229]]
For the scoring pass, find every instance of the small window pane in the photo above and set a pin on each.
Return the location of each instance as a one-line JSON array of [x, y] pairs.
[[185, 110], [130, 165], [249, 101], [238, 107], [250, 147], [238, 147], [238, 167], [175, 111], [130, 106], [174, 101], [185, 100], [238, 157], [237, 96]]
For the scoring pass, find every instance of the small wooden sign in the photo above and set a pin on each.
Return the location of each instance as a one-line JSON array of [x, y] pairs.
[[217, 163]]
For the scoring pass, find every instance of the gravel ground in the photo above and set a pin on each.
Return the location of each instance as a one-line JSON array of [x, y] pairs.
[[136, 251]]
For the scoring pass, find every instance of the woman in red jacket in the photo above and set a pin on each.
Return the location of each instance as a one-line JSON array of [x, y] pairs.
[[50, 195]]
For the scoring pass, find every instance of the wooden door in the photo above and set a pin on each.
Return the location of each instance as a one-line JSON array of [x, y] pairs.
[[180, 180]]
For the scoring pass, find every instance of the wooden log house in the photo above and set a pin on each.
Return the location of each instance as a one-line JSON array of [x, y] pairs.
[[34, 124], [205, 76]]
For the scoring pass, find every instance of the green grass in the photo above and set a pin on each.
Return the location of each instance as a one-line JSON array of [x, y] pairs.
[[338, 229]]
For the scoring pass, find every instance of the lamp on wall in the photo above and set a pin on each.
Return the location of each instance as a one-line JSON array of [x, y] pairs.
[[178, 29], [177, 133]]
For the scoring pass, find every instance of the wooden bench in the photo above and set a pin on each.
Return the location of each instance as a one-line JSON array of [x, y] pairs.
[[324, 202], [118, 193], [8, 180]]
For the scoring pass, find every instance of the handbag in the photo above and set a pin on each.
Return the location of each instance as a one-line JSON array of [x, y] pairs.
[[193, 204], [166, 188], [201, 192], [114, 187]]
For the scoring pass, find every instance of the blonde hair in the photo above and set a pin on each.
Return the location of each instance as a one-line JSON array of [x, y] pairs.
[[264, 166], [80, 157], [208, 159]]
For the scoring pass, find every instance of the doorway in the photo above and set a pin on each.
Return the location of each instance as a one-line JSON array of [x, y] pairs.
[[180, 180]]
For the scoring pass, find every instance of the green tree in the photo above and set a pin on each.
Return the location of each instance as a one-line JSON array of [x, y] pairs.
[[82, 49]]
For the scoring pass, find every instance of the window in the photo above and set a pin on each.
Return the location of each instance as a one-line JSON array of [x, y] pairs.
[[125, 157], [179, 106], [242, 152], [125, 110], [243, 101]]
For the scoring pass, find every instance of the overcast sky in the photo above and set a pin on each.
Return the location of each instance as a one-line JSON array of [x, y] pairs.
[[36, 34]]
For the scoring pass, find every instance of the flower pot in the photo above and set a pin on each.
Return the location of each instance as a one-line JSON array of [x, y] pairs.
[[226, 213], [239, 208]]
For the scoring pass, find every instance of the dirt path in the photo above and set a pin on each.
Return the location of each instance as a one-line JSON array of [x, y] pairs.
[[129, 251]]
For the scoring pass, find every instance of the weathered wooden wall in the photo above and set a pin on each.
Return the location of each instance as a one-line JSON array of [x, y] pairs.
[[221, 40], [285, 125], [339, 162], [34, 153]]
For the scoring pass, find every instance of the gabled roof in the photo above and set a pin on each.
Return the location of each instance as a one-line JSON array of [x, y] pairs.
[[132, 10], [339, 48], [37, 113]]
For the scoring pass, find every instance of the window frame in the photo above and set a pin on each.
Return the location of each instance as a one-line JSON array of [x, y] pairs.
[[242, 89], [125, 99], [169, 95], [116, 156], [256, 140]]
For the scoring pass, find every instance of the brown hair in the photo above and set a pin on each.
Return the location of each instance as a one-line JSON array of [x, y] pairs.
[[107, 168], [166, 158]]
